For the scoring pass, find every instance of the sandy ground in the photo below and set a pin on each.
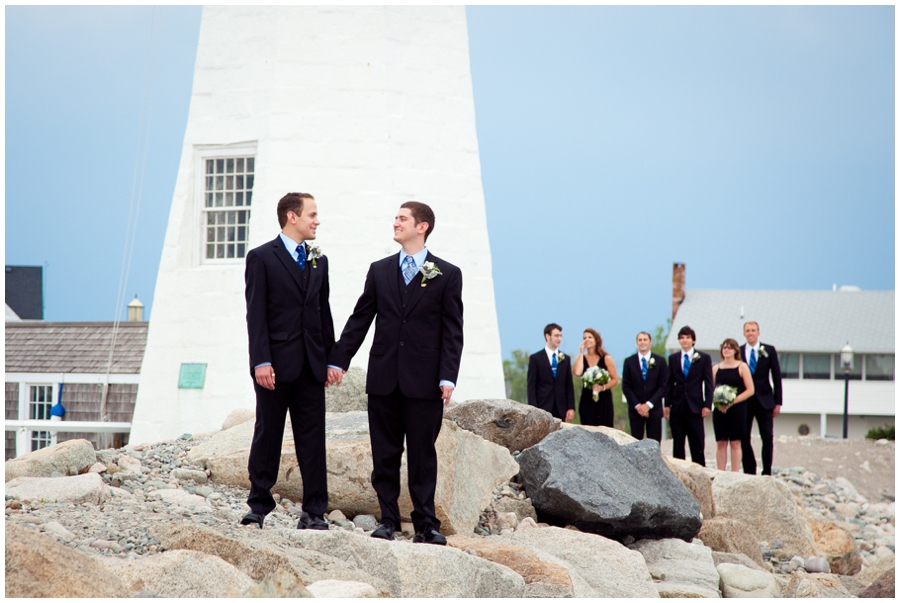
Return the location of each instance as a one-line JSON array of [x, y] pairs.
[[867, 464]]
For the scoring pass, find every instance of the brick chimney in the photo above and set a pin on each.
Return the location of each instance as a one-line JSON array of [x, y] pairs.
[[677, 287]]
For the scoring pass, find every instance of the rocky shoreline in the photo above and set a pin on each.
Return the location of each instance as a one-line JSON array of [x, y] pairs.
[[161, 523]]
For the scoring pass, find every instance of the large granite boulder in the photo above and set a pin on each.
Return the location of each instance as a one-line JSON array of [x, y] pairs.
[[469, 468], [586, 479], [76, 489], [38, 566], [414, 570], [508, 423], [619, 436], [342, 589], [598, 566], [350, 394], [542, 578], [767, 507], [815, 586], [68, 458], [882, 588], [837, 545], [698, 480], [280, 585], [741, 582], [180, 574], [727, 535], [238, 416], [683, 569]]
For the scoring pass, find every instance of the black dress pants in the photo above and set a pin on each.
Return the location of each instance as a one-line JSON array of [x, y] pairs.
[[685, 423], [653, 425], [391, 419], [304, 398], [765, 420]]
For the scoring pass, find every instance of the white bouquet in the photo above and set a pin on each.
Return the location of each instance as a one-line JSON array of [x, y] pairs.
[[723, 396], [594, 375]]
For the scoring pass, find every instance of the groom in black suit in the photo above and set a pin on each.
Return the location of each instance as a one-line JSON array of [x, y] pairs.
[[645, 379], [550, 377], [415, 299], [689, 398], [765, 404], [291, 332]]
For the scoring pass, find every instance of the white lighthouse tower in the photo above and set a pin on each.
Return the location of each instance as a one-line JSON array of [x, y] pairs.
[[364, 107]]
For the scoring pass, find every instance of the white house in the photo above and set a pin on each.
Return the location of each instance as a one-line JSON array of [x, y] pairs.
[[364, 107], [808, 328]]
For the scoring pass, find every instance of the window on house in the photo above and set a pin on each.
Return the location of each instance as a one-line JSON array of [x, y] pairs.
[[855, 370], [879, 367], [40, 439], [227, 196], [817, 366], [40, 399], [790, 365]]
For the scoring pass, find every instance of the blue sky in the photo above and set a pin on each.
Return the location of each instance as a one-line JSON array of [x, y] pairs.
[[755, 144]]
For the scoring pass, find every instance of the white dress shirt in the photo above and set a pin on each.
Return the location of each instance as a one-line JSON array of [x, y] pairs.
[[748, 347]]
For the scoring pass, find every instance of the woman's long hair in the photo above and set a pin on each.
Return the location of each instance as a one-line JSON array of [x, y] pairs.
[[734, 345], [598, 347]]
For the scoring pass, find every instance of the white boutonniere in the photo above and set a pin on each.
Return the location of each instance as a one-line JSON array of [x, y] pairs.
[[313, 252], [560, 356], [763, 352], [429, 271], [696, 356], [652, 363]]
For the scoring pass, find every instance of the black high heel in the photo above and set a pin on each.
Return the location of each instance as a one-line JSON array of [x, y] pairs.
[[252, 517]]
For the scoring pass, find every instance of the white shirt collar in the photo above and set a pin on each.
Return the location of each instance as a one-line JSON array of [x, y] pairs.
[[688, 353], [418, 258], [647, 357], [550, 353], [290, 244], [752, 347]]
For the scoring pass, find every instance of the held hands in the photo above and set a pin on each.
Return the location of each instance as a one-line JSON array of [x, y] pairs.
[[446, 392], [265, 376], [335, 376], [570, 414]]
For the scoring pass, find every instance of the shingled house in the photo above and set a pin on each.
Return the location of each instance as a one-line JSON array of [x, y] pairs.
[[69, 363]]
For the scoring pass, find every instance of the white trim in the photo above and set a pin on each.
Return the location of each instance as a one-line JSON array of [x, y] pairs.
[[56, 378], [201, 154], [23, 427]]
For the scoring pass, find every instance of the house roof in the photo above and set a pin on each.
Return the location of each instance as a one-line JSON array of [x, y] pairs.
[[74, 347], [793, 321]]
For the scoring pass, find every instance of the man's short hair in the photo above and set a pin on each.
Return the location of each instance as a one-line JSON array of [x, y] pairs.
[[549, 328], [752, 322], [686, 330], [420, 213], [292, 202], [649, 336]]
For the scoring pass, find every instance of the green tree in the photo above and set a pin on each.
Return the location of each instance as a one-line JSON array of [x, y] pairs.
[[515, 374]]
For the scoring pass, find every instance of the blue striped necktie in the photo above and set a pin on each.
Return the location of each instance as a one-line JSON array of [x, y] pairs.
[[301, 256], [644, 368], [409, 268]]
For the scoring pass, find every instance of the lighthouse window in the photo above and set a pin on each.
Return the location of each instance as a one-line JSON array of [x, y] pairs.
[[227, 196]]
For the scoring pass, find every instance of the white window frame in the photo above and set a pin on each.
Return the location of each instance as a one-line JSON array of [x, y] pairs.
[[24, 436], [202, 153]]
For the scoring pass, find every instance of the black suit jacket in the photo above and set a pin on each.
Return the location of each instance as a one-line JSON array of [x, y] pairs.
[[767, 393], [556, 395], [286, 323], [637, 391], [697, 390], [418, 330]]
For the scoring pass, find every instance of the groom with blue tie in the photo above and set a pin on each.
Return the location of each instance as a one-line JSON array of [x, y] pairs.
[[689, 399], [645, 378], [550, 377], [765, 404]]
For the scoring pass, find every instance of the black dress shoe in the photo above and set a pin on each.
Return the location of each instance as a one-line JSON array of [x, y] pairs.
[[385, 530], [311, 522], [430, 537], [253, 517]]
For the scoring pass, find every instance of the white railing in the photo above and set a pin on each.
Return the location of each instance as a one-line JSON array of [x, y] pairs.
[[79, 426]]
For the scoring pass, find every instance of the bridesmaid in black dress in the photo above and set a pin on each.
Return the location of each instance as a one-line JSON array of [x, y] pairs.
[[591, 353], [730, 423]]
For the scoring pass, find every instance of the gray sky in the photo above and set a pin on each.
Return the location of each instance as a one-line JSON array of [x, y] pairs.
[[755, 144]]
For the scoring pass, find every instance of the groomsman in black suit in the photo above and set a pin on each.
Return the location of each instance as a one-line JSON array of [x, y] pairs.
[[550, 377], [291, 332], [689, 398], [765, 404], [415, 299], [645, 380]]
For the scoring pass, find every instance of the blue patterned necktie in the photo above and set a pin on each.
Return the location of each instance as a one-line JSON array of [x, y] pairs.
[[687, 365], [301, 256], [554, 364], [644, 368], [752, 362], [409, 269]]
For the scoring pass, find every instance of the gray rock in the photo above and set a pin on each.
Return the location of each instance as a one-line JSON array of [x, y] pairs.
[[350, 395], [190, 474], [66, 458], [817, 565], [85, 488], [508, 423], [738, 581], [685, 570], [585, 479], [522, 508], [52, 527], [366, 522], [238, 416]]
